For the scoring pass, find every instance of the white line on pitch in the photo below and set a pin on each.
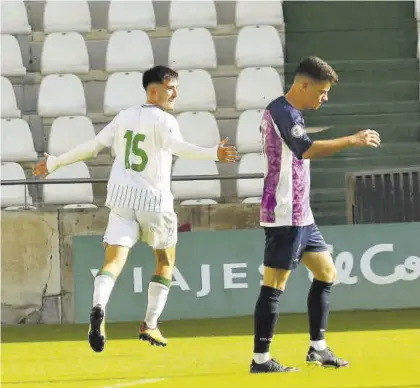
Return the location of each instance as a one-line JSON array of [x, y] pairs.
[[134, 383]]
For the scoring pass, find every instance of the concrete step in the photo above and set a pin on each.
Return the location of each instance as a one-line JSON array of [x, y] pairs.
[[406, 69], [394, 133], [374, 92]]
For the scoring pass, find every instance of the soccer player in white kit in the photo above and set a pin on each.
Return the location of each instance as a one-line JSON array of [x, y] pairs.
[[143, 139]]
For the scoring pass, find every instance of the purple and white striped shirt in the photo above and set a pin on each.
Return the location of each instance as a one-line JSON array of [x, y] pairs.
[[285, 200]]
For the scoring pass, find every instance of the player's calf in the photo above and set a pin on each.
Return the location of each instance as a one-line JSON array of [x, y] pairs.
[[97, 329]]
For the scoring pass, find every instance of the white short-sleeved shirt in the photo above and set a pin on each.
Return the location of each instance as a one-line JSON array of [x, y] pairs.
[[143, 139]]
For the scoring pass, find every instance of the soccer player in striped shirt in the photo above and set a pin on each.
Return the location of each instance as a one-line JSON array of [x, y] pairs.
[[144, 139], [291, 235]]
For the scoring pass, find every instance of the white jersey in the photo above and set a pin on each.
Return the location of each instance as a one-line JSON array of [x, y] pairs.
[[143, 139]]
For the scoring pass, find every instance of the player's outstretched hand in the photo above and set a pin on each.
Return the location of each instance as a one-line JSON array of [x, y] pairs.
[[40, 169], [227, 153], [367, 138]]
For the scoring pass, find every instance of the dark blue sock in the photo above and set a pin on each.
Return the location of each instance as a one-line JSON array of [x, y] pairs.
[[318, 309], [265, 318]]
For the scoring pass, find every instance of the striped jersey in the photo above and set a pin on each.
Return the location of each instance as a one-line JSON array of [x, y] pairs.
[[285, 200], [143, 140]]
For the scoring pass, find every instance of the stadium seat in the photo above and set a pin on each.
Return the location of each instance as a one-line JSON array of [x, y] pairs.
[[14, 18], [250, 52], [192, 48], [67, 16], [417, 10], [68, 132], [195, 202], [196, 91], [248, 13], [252, 200], [9, 107], [198, 189], [122, 91], [250, 164], [61, 95], [199, 128], [129, 51], [131, 15], [73, 194], [194, 14], [16, 196], [17, 144], [11, 57], [64, 52], [256, 87], [248, 135]]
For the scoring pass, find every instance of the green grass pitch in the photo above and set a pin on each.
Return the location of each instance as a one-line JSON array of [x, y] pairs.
[[383, 348]]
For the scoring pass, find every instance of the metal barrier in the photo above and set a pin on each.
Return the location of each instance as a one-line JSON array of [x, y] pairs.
[[105, 180], [39, 181], [383, 196]]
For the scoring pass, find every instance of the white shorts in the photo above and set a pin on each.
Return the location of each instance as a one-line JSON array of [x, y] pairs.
[[127, 226]]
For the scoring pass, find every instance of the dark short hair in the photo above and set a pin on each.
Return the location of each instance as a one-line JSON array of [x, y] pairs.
[[317, 69], [157, 75]]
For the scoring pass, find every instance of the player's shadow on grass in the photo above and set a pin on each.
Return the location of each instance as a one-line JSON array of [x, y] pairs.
[[238, 326]]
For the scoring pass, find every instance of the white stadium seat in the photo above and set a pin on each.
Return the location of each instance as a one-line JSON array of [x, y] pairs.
[[14, 195], [9, 107], [122, 91], [417, 9], [192, 14], [248, 135], [129, 51], [72, 193], [64, 52], [14, 18], [17, 144], [11, 57], [197, 189], [196, 91], [199, 128], [252, 200], [192, 48], [195, 202], [61, 95], [256, 87], [131, 15], [67, 16], [248, 13], [68, 132], [259, 46], [250, 164]]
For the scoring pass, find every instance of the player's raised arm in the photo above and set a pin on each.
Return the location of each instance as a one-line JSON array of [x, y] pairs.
[[172, 139], [81, 152], [322, 148]]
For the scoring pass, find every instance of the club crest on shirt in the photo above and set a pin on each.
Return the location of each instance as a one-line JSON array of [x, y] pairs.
[[298, 131]]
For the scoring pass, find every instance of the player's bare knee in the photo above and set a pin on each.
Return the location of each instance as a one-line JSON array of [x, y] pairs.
[[327, 274], [164, 258], [276, 278]]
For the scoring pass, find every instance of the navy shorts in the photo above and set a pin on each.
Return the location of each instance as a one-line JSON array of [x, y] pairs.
[[285, 245]]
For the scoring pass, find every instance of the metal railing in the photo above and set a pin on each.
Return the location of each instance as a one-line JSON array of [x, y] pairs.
[[105, 180], [39, 181]]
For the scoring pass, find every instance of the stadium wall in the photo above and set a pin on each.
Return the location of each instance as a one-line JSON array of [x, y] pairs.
[[37, 280], [49, 260]]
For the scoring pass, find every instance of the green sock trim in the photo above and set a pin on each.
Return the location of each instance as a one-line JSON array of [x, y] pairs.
[[161, 280], [106, 273]]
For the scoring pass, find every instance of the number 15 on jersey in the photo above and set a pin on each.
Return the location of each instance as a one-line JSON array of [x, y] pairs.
[[133, 147]]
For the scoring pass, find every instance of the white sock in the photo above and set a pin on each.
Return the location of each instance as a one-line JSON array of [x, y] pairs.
[[157, 296], [319, 345], [261, 358], [102, 290]]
